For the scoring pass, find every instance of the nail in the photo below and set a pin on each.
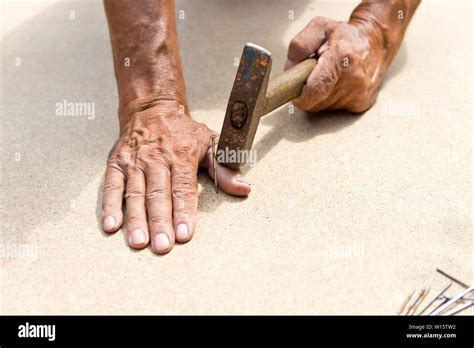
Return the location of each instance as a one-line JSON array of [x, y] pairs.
[[162, 242], [109, 223], [405, 302], [289, 64], [137, 237], [453, 300], [182, 232], [464, 285], [239, 179]]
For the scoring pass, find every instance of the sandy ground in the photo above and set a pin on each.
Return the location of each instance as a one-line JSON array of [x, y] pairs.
[[347, 215]]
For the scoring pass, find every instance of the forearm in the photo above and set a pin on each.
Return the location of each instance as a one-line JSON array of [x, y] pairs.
[[386, 21], [146, 54]]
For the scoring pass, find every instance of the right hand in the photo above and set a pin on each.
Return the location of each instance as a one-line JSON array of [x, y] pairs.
[[350, 65]]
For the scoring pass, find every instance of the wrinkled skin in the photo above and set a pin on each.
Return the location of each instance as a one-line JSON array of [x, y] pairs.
[[349, 70], [155, 163], [352, 57]]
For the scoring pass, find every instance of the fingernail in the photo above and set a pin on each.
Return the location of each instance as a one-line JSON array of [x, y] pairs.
[[109, 223], [182, 232], [323, 48], [162, 242], [242, 181], [289, 64], [137, 237]]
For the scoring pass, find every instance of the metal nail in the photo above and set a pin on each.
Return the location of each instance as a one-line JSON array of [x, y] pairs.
[[443, 301], [214, 159], [420, 294], [442, 291], [460, 308], [464, 285], [453, 300], [420, 300], [407, 299]]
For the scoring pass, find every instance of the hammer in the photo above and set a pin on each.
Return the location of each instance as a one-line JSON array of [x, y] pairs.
[[252, 97]]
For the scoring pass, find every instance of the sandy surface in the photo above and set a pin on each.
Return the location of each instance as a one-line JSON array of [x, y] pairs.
[[347, 215]]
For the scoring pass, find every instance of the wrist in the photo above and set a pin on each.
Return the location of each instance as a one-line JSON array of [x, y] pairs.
[[374, 32], [146, 84], [140, 94], [384, 23], [150, 75], [151, 110]]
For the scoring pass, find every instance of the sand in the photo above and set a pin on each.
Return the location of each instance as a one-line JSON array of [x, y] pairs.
[[348, 213]]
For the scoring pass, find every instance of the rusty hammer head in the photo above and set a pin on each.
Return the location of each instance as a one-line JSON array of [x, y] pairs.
[[247, 103]]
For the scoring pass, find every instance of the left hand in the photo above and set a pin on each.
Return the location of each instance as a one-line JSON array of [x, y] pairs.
[[154, 165]]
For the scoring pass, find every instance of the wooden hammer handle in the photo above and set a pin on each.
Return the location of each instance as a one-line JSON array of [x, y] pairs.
[[287, 85]]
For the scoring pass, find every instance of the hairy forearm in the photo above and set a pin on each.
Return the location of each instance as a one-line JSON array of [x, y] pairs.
[[386, 21], [146, 54]]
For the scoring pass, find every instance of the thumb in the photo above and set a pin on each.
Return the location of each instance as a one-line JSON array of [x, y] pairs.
[[229, 180]]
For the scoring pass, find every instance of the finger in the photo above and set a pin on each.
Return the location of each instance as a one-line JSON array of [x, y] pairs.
[[229, 180], [158, 200], [114, 184], [136, 213], [320, 83], [185, 200], [308, 40]]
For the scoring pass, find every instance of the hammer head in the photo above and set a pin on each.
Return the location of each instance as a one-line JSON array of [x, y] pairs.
[[246, 105]]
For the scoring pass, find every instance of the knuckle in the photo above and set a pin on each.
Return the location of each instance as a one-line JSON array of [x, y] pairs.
[[359, 77], [185, 186], [134, 192], [329, 56], [133, 220], [108, 206], [323, 85], [181, 210], [336, 52], [184, 190], [182, 148], [157, 154], [344, 51], [114, 162], [318, 20], [157, 193], [112, 187], [121, 159], [319, 89], [157, 220]]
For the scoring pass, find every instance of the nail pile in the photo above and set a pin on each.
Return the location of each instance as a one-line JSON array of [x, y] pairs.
[[439, 304]]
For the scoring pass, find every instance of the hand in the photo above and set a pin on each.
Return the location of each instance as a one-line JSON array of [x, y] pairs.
[[155, 163], [350, 65]]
